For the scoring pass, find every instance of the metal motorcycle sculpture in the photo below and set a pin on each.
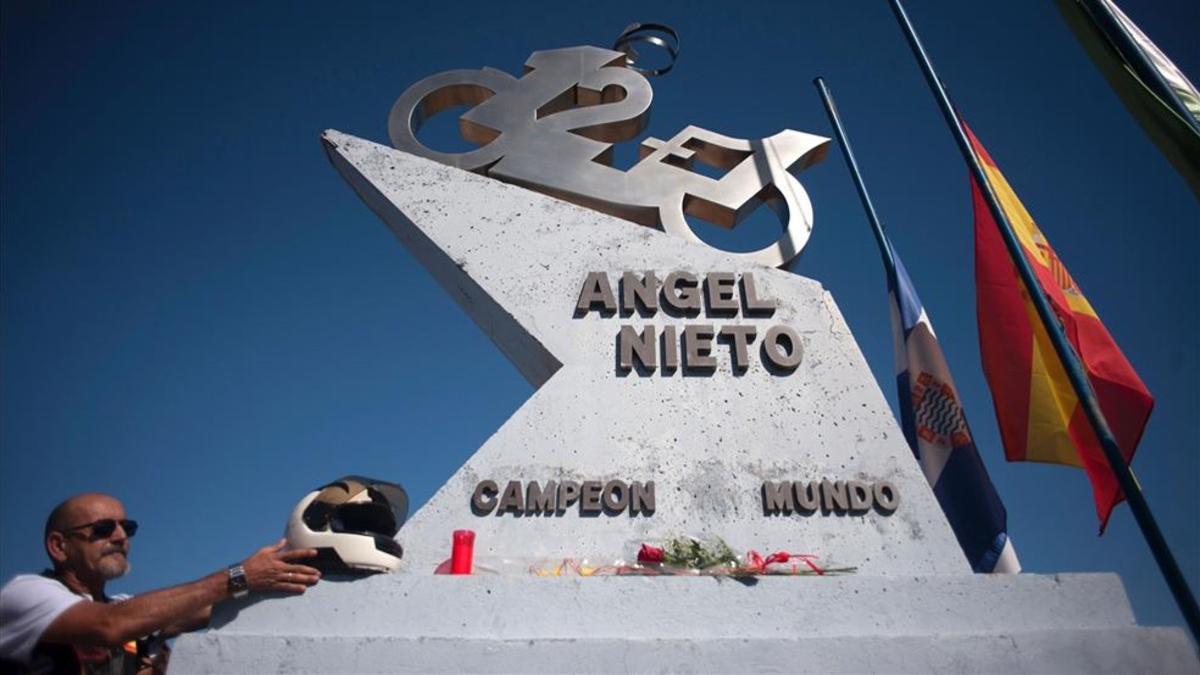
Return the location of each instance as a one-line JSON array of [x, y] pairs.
[[553, 130]]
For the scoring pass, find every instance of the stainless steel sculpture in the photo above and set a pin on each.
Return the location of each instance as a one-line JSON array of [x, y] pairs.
[[553, 131]]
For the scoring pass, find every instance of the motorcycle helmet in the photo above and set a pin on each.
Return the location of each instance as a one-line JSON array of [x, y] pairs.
[[351, 522]]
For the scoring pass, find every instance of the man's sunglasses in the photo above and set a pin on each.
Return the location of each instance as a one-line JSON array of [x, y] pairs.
[[104, 528]]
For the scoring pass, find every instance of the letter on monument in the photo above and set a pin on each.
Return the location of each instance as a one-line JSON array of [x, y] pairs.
[[887, 498], [484, 499], [753, 305], [670, 349], [590, 503], [808, 496], [721, 288], [833, 496], [568, 494], [860, 496], [784, 359], [778, 497], [630, 343], [596, 289], [615, 496], [644, 291], [697, 347], [681, 293], [512, 499], [538, 500], [641, 497], [740, 337]]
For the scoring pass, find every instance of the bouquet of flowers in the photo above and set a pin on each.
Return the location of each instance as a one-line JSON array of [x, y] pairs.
[[690, 556], [713, 556]]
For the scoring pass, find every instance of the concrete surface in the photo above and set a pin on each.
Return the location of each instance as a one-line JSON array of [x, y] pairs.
[[948, 624], [515, 261], [1146, 650]]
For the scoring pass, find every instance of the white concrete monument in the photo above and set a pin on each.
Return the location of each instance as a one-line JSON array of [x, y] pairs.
[[680, 390]]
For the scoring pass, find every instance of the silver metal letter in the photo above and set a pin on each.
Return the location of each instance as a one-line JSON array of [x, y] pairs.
[[590, 502], [670, 349], [641, 498], [740, 337], [887, 498], [512, 499], [615, 496], [697, 347], [484, 498], [860, 496], [538, 500], [568, 494], [833, 496], [808, 496], [721, 290], [634, 291], [596, 289], [644, 346], [772, 349], [681, 293], [752, 305], [778, 497]]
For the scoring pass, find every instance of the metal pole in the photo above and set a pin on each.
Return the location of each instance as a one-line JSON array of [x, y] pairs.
[[1128, 48], [885, 248], [1066, 353]]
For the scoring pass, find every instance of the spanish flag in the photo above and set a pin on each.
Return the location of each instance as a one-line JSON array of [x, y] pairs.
[[1040, 417]]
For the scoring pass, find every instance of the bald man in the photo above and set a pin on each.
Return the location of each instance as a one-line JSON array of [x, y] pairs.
[[62, 620]]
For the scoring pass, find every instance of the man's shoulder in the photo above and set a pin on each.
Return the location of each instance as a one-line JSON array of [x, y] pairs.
[[28, 604], [33, 581], [26, 587]]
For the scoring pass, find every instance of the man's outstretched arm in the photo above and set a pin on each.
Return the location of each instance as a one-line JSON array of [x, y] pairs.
[[271, 569]]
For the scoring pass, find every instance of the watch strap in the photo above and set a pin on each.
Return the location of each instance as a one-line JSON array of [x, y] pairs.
[[238, 586]]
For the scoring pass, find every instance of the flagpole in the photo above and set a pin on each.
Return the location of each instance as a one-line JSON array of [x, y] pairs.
[[1066, 354], [1127, 47], [885, 248]]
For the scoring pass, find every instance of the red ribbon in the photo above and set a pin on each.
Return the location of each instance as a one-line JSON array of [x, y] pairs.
[[760, 564]]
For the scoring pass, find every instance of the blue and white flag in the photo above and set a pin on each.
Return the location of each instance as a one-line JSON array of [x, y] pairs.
[[938, 434]]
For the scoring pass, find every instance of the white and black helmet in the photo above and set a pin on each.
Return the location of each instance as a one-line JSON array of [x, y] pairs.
[[351, 522]]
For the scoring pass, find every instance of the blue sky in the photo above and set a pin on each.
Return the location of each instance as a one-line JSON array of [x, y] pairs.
[[198, 315]]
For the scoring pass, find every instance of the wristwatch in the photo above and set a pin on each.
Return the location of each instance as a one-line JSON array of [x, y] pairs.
[[238, 586]]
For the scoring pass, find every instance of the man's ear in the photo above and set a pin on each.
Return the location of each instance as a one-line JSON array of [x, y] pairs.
[[56, 547]]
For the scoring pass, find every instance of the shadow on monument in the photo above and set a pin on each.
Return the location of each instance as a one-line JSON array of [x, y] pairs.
[[227, 612]]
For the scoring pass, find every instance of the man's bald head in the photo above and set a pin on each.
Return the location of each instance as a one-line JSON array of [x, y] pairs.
[[73, 510], [85, 555]]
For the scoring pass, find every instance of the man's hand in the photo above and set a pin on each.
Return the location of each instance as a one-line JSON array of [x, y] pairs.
[[178, 608], [273, 569]]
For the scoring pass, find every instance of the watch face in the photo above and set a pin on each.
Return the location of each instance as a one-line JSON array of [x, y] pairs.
[[237, 581]]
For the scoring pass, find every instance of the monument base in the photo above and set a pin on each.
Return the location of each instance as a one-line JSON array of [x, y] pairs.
[[407, 623]]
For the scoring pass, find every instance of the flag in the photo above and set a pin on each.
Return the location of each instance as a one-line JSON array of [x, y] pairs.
[[937, 432], [1040, 417], [1154, 90]]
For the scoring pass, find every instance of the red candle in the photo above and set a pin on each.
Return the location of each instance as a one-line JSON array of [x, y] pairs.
[[463, 553]]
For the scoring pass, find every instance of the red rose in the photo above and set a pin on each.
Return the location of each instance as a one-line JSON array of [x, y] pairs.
[[650, 554]]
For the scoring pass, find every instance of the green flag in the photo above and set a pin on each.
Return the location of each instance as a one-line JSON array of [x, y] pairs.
[[1156, 92]]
